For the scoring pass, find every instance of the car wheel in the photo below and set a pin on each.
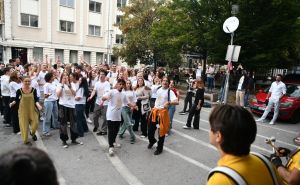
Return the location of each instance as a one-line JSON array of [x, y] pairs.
[[296, 117]]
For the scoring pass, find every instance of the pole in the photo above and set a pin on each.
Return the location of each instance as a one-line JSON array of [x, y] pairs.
[[228, 74], [108, 35]]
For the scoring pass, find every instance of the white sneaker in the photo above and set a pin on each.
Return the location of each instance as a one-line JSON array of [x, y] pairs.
[[117, 145], [111, 151], [186, 127], [260, 120], [89, 120], [272, 123], [42, 118]]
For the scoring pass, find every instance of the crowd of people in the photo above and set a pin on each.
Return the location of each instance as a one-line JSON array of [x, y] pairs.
[[68, 97]]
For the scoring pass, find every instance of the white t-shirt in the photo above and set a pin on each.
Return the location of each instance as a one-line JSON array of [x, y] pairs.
[[277, 90], [241, 81], [80, 93], [129, 97], [5, 85], [13, 87], [154, 89], [41, 79], [162, 97], [50, 88], [35, 85], [101, 88], [115, 104], [67, 99]]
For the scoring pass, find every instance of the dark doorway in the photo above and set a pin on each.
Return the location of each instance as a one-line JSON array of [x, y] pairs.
[[21, 53]]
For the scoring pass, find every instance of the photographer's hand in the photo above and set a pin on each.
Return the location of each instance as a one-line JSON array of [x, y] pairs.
[[276, 161]]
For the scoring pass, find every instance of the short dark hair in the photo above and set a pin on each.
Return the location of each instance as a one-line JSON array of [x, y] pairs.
[[48, 76], [279, 75], [27, 165], [103, 71], [237, 127], [121, 81]]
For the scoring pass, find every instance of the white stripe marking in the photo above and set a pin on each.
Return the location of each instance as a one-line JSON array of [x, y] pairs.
[[188, 159], [206, 130], [118, 164]]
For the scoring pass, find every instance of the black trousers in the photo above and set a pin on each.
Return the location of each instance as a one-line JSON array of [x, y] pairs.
[[113, 129], [196, 114], [188, 100], [15, 118], [137, 116], [151, 132], [6, 109], [65, 115]]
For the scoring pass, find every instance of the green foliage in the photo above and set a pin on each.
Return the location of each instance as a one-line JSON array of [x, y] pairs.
[[161, 31]]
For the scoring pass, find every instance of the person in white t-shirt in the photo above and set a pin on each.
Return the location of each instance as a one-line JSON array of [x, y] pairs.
[[82, 92], [277, 91], [14, 84], [66, 93], [159, 116], [50, 104], [127, 109], [101, 87], [115, 99]]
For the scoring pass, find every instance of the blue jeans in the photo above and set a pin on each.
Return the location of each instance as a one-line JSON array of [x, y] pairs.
[[81, 121], [127, 122], [221, 95], [51, 110], [171, 109], [210, 83], [246, 97]]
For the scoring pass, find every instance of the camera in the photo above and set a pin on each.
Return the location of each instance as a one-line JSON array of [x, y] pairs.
[[271, 139]]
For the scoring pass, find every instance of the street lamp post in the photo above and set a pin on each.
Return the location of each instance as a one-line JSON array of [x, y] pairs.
[[228, 25]]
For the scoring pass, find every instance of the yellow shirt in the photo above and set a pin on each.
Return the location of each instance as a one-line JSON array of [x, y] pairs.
[[294, 162], [250, 167]]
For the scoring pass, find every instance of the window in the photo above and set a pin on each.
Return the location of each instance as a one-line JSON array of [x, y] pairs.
[[37, 54], [99, 58], [95, 6], [94, 30], [66, 26], [87, 56], [59, 54], [73, 56], [119, 19], [121, 3], [67, 3], [29, 20], [119, 39]]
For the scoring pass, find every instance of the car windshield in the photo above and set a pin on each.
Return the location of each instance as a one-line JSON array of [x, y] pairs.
[[293, 90]]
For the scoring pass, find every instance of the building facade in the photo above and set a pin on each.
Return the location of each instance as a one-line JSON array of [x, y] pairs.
[[65, 30]]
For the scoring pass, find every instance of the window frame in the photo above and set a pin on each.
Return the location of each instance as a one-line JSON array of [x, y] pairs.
[[94, 30], [95, 6], [119, 37], [66, 24], [121, 3], [67, 4], [29, 20]]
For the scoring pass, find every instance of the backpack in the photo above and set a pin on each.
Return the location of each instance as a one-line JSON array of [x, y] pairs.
[[237, 178]]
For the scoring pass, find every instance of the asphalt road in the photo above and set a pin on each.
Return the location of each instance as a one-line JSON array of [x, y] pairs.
[[186, 160]]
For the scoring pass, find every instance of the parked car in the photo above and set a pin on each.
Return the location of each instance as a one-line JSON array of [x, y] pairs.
[[289, 104]]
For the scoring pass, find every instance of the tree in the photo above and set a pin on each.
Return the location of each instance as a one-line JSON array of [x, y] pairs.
[[268, 31], [136, 26]]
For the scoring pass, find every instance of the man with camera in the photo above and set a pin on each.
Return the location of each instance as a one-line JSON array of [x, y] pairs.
[[291, 171]]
